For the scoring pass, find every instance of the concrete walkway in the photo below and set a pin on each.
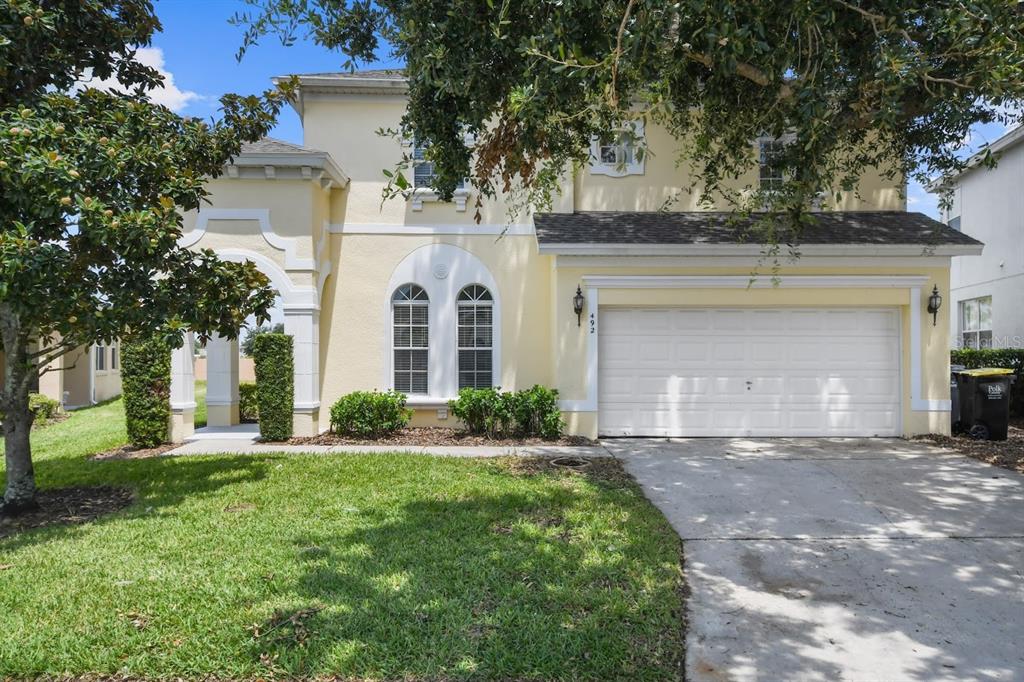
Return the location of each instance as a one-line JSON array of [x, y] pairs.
[[842, 560]]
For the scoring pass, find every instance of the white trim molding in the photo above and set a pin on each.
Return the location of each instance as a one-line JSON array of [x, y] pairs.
[[262, 216], [593, 284], [744, 281], [443, 270], [293, 297], [487, 229]]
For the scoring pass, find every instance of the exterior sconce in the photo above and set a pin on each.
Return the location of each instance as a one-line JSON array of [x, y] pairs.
[[577, 305], [934, 303]]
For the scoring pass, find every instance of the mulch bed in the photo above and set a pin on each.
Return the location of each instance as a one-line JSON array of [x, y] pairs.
[[1008, 454], [64, 506], [434, 436], [130, 452]]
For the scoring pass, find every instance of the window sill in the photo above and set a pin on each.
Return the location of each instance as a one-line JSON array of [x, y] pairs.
[[616, 171], [425, 194], [427, 402]]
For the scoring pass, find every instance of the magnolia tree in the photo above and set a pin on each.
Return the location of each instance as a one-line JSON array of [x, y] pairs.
[[92, 190], [846, 85]]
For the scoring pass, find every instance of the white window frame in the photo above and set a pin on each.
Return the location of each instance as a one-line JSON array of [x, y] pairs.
[[631, 163], [411, 303], [99, 359], [443, 270], [976, 330], [115, 359], [473, 304], [426, 194], [781, 177]]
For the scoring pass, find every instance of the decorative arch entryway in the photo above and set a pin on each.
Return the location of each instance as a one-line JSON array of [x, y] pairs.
[[301, 307]]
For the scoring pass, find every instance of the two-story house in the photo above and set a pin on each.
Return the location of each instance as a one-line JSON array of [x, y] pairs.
[[987, 293], [647, 322]]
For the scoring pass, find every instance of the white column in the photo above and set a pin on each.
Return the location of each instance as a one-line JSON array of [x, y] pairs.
[[183, 392], [222, 381], [302, 323]]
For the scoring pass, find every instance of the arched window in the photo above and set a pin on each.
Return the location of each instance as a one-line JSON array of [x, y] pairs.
[[411, 338], [475, 327]]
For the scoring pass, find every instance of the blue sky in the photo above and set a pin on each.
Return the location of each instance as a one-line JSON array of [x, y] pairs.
[[197, 51]]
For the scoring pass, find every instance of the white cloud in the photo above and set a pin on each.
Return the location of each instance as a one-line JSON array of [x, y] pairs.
[[168, 94]]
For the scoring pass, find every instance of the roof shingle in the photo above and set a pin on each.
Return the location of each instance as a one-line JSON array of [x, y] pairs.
[[699, 227]]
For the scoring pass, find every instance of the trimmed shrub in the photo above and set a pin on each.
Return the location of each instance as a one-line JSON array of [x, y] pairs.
[[43, 408], [537, 413], [369, 414], [274, 358], [146, 385], [1010, 358], [248, 410], [529, 413]]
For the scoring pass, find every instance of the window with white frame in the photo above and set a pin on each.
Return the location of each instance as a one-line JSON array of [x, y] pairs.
[[976, 322], [113, 357], [423, 170], [475, 322], [101, 357], [621, 153], [770, 175], [410, 339]]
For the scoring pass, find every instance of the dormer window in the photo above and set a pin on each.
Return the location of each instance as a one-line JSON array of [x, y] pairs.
[[771, 176], [621, 154]]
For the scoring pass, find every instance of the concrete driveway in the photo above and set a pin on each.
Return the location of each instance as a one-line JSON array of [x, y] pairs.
[[842, 559]]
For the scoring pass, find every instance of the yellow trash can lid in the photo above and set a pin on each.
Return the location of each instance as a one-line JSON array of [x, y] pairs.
[[987, 371]]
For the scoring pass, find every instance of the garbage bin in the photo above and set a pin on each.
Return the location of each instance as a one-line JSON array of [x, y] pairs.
[[984, 401], [954, 398]]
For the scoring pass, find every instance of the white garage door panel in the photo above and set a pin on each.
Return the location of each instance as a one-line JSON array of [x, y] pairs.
[[766, 372]]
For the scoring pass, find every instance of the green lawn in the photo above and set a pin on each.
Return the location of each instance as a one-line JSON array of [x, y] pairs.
[[397, 566]]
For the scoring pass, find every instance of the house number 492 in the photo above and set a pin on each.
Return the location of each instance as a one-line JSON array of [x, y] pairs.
[[593, 323]]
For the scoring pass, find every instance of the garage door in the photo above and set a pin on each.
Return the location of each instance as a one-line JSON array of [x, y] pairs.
[[754, 372]]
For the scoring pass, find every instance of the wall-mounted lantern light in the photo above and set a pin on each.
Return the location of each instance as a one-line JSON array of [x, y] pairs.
[[577, 305], [934, 303]]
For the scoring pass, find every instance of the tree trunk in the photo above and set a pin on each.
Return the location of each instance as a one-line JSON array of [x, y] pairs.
[[21, 478]]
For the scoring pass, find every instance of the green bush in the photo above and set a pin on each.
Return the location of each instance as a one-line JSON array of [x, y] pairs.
[[369, 414], [275, 384], [248, 410], [1010, 358], [146, 385], [489, 412]]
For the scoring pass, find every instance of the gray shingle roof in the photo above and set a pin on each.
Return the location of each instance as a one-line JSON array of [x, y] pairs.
[[270, 145], [696, 227], [368, 74]]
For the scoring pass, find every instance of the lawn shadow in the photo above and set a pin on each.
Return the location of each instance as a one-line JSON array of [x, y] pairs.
[[494, 585]]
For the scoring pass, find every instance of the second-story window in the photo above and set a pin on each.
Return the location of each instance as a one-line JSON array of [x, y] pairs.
[[620, 154], [770, 173], [423, 170]]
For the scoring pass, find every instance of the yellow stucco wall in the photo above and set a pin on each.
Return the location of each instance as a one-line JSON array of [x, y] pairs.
[[353, 320]]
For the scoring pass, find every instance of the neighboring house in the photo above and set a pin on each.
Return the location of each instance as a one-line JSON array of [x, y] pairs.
[[987, 293], [672, 339], [81, 377]]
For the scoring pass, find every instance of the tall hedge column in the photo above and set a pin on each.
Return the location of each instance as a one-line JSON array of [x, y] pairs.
[[146, 384], [275, 384]]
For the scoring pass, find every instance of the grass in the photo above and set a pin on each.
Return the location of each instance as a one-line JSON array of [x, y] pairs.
[[363, 567]]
